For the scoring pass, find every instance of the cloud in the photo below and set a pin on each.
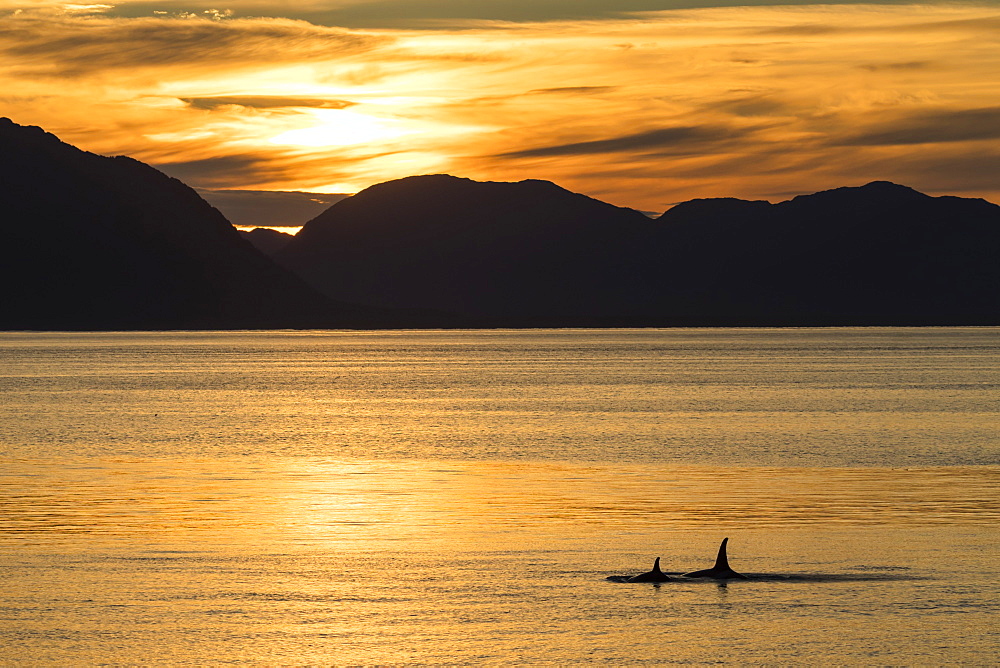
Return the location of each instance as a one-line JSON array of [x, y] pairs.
[[803, 30], [71, 47], [222, 170], [961, 171], [457, 14], [330, 170], [406, 13], [912, 65], [750, 106], [961, 125], [834, 26], [978, 25], [433, 14], [86, 9], [573, 90], [265, 102], [649, 141], [268, 208]]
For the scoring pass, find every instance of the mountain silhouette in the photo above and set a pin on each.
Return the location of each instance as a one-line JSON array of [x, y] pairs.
[[510, 253], [876, 254], [106, 243], [96, 242], [532, 253], [266, 240]]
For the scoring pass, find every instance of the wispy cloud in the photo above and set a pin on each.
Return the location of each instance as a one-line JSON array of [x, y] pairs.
[[898, 67], [658, 141], [222, 170], [930, 127], [265, 102], [433, 14], [69, 47], [573, 90]]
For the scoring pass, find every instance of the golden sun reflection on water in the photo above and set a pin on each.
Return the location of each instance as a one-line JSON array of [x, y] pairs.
[[356, 504], [346, 498]]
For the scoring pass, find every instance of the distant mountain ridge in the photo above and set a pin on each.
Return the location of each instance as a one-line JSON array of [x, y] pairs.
[[267, 240], [532, 253], [110, 243], [876, 254]]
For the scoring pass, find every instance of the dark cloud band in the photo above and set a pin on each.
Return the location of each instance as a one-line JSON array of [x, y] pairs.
[[59, 46], [265, 102], [931, 128], [649, 141]]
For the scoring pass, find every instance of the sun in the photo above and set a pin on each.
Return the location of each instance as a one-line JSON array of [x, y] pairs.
[[340, 127]]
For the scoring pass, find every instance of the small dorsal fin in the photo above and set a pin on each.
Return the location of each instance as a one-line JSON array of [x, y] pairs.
[[653, 575]]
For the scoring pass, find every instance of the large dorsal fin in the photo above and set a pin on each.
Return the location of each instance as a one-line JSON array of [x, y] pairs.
[[721, 562], [721, 570]]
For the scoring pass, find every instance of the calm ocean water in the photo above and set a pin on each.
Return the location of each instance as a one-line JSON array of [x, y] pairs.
[[433, 497]]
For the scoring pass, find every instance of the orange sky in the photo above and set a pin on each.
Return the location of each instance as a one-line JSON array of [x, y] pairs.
[[640, 109]]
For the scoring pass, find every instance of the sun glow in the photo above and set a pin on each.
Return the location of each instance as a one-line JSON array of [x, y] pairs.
[[340, 127]]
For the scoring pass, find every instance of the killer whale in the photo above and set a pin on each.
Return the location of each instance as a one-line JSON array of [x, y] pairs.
[[721, 569], [654, 575]]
